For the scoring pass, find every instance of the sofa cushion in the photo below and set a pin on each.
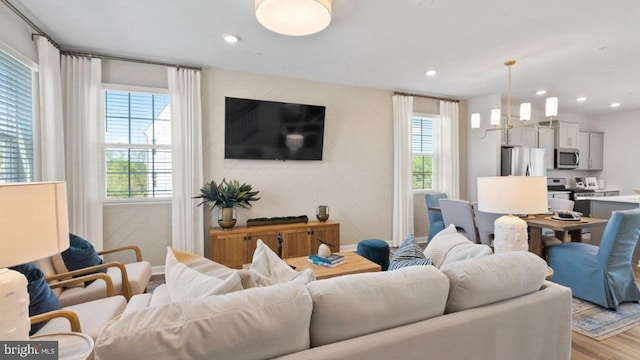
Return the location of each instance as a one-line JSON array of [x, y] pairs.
[[353, 305], [256, 323], [196, 276], [268, 269], [481, 281], [408, 253], [449, 245]]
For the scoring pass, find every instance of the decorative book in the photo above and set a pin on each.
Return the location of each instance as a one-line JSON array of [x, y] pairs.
[[331, 259], [325, 264]]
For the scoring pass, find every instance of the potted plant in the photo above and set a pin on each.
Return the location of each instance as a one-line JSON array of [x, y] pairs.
[[227, 195]]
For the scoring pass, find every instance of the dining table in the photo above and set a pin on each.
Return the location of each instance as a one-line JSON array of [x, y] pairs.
[[564, 230]]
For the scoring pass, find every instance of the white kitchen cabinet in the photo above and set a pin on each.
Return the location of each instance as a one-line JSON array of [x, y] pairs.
[[591, 148], [546, 141], [567, 135], [520, 136]]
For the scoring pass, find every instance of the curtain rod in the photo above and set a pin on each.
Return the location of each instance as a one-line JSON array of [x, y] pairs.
[[426, 96], [120, 58], [39, 32]]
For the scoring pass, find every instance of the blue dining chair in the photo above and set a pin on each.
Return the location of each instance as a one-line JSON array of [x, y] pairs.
[[601, 274], [436, 223]]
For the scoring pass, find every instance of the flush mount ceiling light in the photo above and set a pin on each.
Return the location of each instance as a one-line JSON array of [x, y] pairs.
[[615, 104], [541, 92], [231, 39], [294, 17], [581, 99], [430, 72]]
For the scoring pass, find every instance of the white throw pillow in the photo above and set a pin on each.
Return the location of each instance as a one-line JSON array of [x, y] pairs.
[[197, 276], [268, 269], [439, 247]]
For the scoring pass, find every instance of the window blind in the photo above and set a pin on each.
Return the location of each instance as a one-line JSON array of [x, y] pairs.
[[16, 120]]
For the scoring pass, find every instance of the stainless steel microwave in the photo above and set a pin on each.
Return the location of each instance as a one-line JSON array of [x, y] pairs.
[[567, 159]]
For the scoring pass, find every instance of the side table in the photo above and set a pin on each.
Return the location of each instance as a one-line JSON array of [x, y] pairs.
[[71, 345]]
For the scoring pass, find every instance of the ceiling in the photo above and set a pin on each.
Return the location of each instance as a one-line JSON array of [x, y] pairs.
[[571, 48]]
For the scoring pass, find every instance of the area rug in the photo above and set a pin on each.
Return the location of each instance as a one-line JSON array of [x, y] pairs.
[[599, 323]]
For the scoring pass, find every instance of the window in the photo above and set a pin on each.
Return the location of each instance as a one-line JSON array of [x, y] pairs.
[[16, 120], [137, 145], [422, 141]]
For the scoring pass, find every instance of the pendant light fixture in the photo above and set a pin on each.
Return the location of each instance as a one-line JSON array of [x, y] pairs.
[[294, 17], [551, 109]]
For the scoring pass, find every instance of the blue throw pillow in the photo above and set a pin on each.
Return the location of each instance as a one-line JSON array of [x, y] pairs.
[[41, 298], [80, 254], [408, 254]]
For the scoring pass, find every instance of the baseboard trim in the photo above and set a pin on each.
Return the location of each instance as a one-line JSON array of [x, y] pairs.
[[157, 270]]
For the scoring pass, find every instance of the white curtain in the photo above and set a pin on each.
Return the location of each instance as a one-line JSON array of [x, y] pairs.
[[449, 150], [402, 170], [81, 78], [186, 144], [51, 129]]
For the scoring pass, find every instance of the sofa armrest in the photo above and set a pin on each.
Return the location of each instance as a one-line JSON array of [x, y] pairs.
[[74, 321], [126, 288], [111, 291], [135, 248]]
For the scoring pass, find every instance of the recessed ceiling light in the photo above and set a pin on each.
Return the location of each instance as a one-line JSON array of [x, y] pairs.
[[615, 104], [430, 72], [231, 39], [581, 99], [541, 92]]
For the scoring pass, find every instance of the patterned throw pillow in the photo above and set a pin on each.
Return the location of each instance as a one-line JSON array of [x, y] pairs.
[[408, 254]]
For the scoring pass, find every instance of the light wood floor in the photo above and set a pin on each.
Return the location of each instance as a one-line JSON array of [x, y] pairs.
[[625, 346]]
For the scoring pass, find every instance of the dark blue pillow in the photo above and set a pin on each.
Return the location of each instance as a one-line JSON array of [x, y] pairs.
[[81, 254], [41, 298]]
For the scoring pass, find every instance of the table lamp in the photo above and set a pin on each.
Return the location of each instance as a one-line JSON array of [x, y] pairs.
[[33, 225], [512, 195]]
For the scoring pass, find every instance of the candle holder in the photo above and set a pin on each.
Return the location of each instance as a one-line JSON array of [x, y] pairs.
[[322, 213]]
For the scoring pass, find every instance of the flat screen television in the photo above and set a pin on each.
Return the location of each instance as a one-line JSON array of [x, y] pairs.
[[269, 130]]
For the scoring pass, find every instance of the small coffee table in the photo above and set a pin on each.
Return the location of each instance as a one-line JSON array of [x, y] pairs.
[[353, 264]]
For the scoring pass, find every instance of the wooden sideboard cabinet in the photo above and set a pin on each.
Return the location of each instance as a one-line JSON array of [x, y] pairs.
[[235, 247]]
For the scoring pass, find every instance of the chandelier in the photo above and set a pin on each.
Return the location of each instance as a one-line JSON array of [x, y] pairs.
[[551, 109], [294, 17]]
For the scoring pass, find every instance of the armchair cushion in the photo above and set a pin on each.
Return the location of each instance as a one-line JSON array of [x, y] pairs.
[[80, 254], [41, 298]]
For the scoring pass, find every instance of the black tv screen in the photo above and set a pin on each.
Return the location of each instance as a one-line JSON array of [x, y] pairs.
[[269, 130]]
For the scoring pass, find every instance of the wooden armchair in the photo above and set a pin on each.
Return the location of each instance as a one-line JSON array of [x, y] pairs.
[[127, 279]]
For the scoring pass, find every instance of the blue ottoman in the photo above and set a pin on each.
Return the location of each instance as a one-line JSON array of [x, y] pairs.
[[375, 250]]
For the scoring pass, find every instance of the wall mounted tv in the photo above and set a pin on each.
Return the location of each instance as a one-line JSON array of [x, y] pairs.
[[269, 130]]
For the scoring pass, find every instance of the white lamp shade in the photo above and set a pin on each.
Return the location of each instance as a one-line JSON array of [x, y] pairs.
[[33, 221], [294, 17], [495, 117], [512, 194], [525, 111], [475, 121], [551, 107]]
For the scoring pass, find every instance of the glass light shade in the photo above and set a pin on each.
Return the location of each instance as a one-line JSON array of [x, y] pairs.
[[495, 117], [525, 111], [33, 221], [475, 121], [294, 17], [513, 194], [551, 107]]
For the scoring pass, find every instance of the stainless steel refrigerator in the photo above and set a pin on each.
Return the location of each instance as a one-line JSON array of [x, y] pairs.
[[522, 161]]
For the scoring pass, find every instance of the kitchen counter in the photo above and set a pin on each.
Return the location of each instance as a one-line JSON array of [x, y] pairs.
[[607, 190], [627, 199]]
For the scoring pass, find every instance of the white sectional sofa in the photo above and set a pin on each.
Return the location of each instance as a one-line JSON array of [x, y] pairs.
[[497, 307]]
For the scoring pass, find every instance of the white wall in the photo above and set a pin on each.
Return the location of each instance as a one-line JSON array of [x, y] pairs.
[[621, 149], [355, 176], [16, 34]]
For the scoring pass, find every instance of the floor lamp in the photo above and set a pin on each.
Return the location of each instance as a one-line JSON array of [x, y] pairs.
[[512, 195], [33, 225]]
